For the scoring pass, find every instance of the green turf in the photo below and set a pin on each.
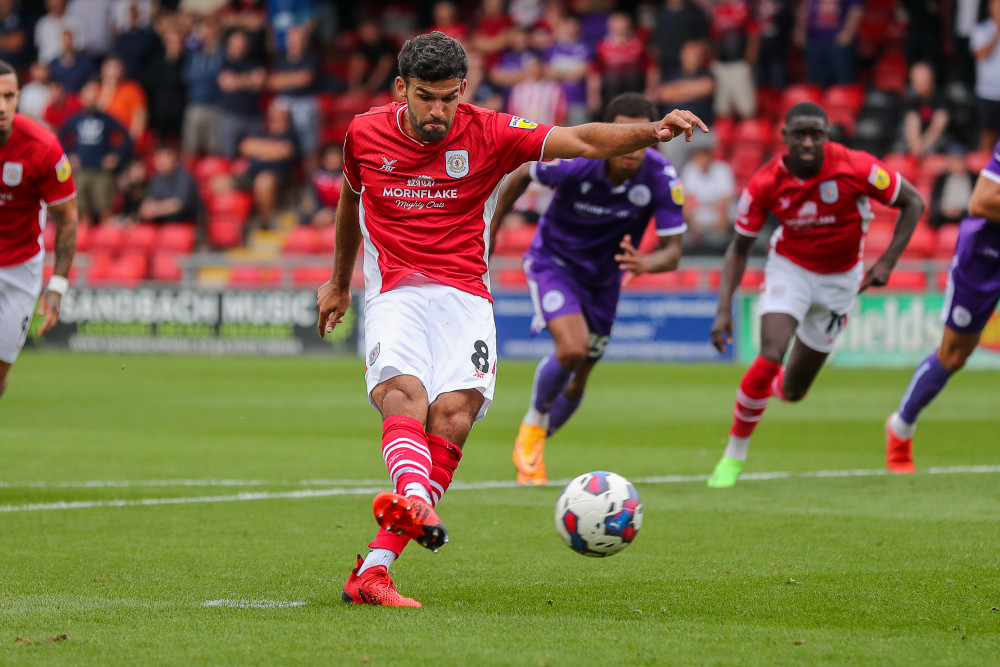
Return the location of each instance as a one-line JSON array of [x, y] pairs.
[[861, 570]]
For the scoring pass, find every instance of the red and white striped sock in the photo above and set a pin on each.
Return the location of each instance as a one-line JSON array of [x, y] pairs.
[[407, 457], [446, 457], [752, 396]]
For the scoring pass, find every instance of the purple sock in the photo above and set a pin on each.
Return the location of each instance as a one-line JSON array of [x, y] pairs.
[[928, 380], [550, 379], [562, 409]]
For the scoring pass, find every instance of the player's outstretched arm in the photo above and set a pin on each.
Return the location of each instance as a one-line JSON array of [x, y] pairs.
[[985, 202], [600, 141], [911, 207], [733, 267], [665, 258], [65, 216], [333, 297], [513, 187]]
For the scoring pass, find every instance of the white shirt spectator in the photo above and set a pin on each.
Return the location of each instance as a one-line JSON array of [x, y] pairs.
[[34, 99], [704, 189], [120, 20], [94, 17], [48, 35], [988, 68]]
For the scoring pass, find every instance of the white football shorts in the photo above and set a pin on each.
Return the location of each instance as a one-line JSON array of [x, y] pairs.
[[20, 286], [821, 302], [444, 337]]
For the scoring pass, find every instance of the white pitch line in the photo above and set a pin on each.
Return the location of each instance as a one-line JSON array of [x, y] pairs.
[[243, 603], [125, 483], [461, 486]]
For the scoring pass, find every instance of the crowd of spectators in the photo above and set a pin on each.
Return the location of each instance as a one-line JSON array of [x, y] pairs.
[[143, 92]]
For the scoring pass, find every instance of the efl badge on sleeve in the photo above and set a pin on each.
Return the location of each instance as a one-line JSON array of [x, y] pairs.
[[677, 191], [878, 177], [828, 192], [12, 173], [457, 163], [63, 170], [522, 124]]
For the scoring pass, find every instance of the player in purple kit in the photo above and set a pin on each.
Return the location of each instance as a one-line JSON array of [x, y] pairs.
[[583, 245], [971, 298]]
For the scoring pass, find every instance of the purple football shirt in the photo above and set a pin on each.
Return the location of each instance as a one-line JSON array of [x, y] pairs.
[[589, 216]]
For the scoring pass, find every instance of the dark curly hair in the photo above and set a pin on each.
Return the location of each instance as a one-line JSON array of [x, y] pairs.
[[809, 109], [433, 57], [630, 105]]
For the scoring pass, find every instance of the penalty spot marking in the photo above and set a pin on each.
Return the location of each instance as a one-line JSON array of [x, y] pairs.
[[254, 604], [467, 486]]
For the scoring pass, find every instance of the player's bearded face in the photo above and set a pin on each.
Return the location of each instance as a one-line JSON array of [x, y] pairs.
[[8, 101], [431, 106], [806, 138]]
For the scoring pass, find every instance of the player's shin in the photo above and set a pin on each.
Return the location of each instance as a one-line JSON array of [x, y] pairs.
[[550, 381], [752, 397], [562, 409], [445, 458], [929, 378], [407, 457]]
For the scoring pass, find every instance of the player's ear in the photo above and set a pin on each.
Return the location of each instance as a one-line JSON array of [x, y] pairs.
[[461, 90], [400, 87]]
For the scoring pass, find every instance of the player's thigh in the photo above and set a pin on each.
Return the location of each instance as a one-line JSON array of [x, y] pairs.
[[788, 288], [20, 286], [396, 339], [554, 293], [462, 340], [835, 295], [971, 294], [104, 191]]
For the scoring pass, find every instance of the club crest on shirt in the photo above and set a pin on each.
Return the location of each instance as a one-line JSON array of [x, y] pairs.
[[63, 169], [522, 124], [456, 163], [828, 192], [13, 172], [878, 177], [639, 195], [677, 191]]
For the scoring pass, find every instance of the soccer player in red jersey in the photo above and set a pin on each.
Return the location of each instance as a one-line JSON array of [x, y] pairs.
[[422, 180], [819, 192], [36, 181]]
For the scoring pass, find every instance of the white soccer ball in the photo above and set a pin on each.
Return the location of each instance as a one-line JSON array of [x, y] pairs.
[[598, 514]]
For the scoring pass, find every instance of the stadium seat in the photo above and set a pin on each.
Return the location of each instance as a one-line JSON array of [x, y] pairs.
[[977, 160], [752, 279], [302, 240], [107, 238], [510, 278], [745, 160], [98, 267], [904, 163], [753, 132], [225, 232], [208, 168], [947, 237], [922, 243], [176, 236], [877, 240], [128, 270], [724, 129], [253, 276], [310, 276], [907, 280], [140, 237], [846, 96], [683, 279], [890, 72], [515, 240], [49, 269], [941, 280], [800, 92], [768, 104], [164, 265], [931, 166], [327, 239], [83, 233]]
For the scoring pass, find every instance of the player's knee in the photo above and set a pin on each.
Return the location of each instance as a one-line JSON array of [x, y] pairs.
[[953, 360], [794, 394], [453, 425], [572, 356]]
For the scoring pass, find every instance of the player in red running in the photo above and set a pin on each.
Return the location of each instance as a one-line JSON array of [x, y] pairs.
[[422, 181], [35, 182], [819, 192]]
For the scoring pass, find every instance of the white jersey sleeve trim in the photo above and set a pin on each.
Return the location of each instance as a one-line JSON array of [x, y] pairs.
[[990, 175], [533, 171], [672, 231], [743, 231], [60, 201], [541, 156], [899, 186]]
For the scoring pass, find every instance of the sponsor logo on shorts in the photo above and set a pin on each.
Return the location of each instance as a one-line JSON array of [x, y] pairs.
[[640, 195], [961, 316], [12, 173], [879, 177], [373, 354], [553, 301], [828, 192], [457, 163], [522, 124]]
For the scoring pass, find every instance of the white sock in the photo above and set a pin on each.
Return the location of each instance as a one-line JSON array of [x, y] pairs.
[[737, 448], [536, 418], [900, 427], [418, 490], [378, 557]]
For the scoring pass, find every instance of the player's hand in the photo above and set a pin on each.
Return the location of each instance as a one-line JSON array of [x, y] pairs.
[[48, 307], [722, 332], [630, 261], [679, 122], [332, 304], [877, 275]]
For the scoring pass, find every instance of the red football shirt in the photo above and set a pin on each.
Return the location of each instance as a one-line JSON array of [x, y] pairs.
[[823, 219], [34, 174], [427, 207]]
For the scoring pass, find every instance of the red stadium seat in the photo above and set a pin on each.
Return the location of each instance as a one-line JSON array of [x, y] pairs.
[[890, 72], [922, 243], [683, 279], [209, 167], [327, 239], [254, 276], [745, 160], [99, 267], [140, 237], [847, 96], [977, 160], [302, 240], [931, 166], [752, 279], [310, 276], [176, 236], [877, 239], [510, 278], [768, 104], [83, 233], [514, 240], [904, 163], [941, 280], [128, 270], [947, 237], [225, 232], [165, 266], [724, 130], [800, 92], [754, 132], [907, 280], [233, 204], [107, 238], [49, 269]]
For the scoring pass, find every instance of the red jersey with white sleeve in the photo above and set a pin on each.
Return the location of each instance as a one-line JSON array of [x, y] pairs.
[[824, 218], [34, 174], [427, 207]]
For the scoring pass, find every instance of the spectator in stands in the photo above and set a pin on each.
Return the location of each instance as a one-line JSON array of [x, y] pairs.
[[926, 120], [241, 80], [621, 64], [983, 43], [480, 90], [122, 18], [509, 68], [97, 146], [775, 20], [62, 106], [172, 195], [137, 45], [167, 90], [568, 62], [123, 98], [294, 79], [446, 21], [677, 22], [926, 28], [14, 45], [736, 38], [250, 18], [490, 35], [49, 31], [326, 182], [94, 17], [72, 68], [372, 66], [827, 31], [952, 190], [132, 187], [200, 127], [271, 156], [36, 94], [283, 15], [536, 97], [691, 87], [709, 199]]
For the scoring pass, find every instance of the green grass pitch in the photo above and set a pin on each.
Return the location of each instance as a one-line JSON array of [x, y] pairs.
[[251, 479]]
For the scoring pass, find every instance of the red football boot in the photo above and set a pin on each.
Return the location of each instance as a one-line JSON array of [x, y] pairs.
[[898, 452], [412, 516], [374, 586]]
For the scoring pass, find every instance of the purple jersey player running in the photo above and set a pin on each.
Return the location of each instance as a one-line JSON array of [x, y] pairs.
[[971, 298], [575, 264]]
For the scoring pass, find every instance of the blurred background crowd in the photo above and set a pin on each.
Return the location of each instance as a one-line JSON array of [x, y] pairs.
[[217, 125]]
